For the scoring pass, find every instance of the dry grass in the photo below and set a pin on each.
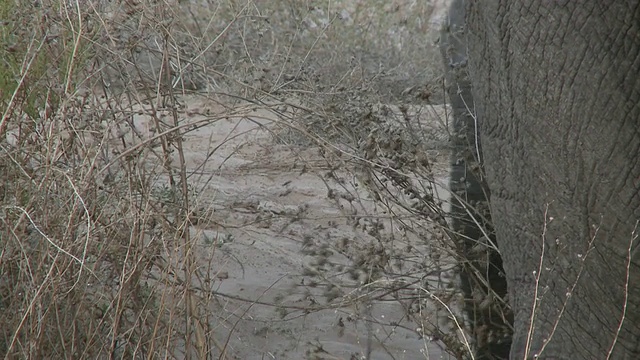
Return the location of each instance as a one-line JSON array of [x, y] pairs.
[[97, 260]]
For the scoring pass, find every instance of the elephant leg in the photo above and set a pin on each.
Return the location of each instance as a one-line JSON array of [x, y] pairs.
[[481, 276], [557, 90]]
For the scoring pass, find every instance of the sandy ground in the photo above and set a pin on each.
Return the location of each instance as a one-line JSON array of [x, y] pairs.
[[263, 198]]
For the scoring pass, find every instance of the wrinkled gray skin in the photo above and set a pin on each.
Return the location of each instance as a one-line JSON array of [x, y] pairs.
[[556, 88]]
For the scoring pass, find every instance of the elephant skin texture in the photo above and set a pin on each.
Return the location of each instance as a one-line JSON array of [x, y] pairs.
[[556, 90]]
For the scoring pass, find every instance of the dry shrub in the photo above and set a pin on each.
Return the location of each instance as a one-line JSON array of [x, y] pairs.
[[386, 176], [88, 235], [97, 260]]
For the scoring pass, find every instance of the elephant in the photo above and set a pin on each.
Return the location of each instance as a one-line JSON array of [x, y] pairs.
[[546, 104]]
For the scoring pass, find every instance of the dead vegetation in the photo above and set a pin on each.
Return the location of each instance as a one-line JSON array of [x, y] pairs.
[[117, 239]]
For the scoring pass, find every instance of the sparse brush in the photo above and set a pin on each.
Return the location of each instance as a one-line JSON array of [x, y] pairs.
[[102, 207]]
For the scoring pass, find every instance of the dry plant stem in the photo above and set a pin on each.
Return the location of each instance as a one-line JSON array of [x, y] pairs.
[[223, 32], [24, 71], [476, 127], [455, 320], [634, 236], [76, 45], [161, 135], [324, 30], [156, 327], [49, 240], [468, 208], [192, 318], [82, 203], [30, 309], [568, 296], [564, 304], [534, 306]]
